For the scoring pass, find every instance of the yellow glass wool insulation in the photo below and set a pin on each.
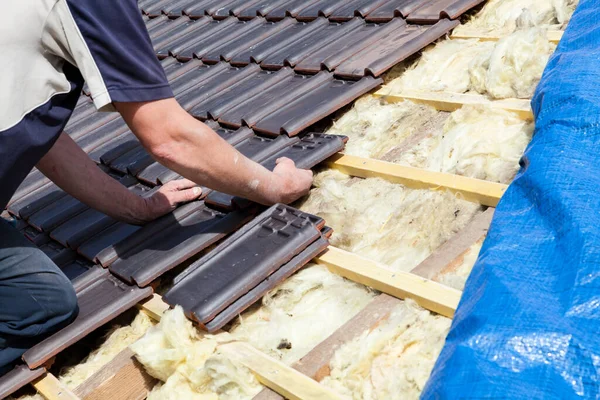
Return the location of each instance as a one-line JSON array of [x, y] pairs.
[[443, 67], [116, 341], [387, 222], [375, 127], [301, 312], [391, 361], [28, 397], [189, 364], [478, 142], [514, 67], [456, 275], [507, 16], [511, 67]]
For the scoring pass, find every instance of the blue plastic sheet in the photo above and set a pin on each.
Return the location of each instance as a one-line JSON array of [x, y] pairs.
[[528, 324]]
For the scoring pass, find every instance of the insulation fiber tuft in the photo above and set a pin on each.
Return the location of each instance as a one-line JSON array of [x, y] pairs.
[[391, 361], [507, 16], [478, 142], [511, 67], [301, 312], [387, 222], [188, 363]]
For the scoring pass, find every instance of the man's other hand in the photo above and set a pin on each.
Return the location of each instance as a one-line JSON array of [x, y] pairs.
[[168, 197], [294, 182]]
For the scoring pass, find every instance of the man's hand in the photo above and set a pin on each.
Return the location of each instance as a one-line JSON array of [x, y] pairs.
[[168, 197], [293, 182]]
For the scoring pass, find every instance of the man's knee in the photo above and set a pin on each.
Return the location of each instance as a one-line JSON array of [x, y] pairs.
[[48, 300], [65, 307]]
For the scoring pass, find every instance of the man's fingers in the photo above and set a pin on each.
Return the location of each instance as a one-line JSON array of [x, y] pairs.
[[285, 160], [181, 184], [184, 196]]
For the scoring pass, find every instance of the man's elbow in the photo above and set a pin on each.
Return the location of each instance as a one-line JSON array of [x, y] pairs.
[[165, 152]]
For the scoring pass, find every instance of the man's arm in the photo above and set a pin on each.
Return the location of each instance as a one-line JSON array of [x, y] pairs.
[[190, 148], [74, 172]]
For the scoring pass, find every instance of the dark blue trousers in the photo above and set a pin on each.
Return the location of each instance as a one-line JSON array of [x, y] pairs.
[[36, 298]]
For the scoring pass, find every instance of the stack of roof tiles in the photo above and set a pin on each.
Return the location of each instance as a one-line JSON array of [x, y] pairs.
[[259, 73]]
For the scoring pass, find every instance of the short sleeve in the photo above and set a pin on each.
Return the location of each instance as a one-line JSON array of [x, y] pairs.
[[108, 42]]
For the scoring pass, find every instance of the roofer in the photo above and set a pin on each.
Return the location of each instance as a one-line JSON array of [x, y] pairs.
[[49, 47]]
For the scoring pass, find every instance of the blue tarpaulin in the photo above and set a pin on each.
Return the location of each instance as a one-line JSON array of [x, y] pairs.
[[528, 324]]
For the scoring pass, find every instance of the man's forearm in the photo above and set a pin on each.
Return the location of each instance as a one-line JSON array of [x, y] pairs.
[[73, 171], [187, 146]]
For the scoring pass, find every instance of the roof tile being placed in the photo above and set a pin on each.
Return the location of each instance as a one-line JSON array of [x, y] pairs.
[[393, 48], [98, 303], [306, 153], [243, 261], [174, 244], [18, 378]]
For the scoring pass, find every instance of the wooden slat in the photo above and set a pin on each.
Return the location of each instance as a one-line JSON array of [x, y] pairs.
[[554, 36], [154, 307], [474, 190], [445, 101], [52, 389], [277, 376], [123, 378], [428, 294], [453, 250]]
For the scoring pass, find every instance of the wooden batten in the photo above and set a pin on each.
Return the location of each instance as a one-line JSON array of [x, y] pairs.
[[445, 101], [52, 389], [428, 294], [474, 190], [123, 378], [554, 36]]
